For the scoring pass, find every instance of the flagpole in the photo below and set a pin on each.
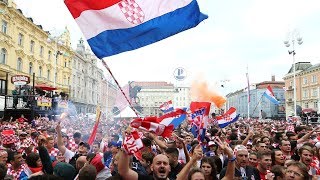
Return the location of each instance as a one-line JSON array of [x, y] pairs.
[[254, 110], [248, 92], [115, 80]]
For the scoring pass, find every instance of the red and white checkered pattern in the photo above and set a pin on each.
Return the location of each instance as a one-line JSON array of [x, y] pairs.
[[15, 173], [132, 11], [290, 128], [72, 146], [53, 152]]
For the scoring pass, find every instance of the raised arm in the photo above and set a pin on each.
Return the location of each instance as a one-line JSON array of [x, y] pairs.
[[246, 140], [229, 175], [183, 174], [62, 148], [307, 136], [160, 143], [123, 167]]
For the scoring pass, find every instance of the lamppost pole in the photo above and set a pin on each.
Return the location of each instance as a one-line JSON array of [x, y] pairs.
[[293, 37]]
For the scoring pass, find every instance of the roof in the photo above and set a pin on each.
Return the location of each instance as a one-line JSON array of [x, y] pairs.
[[300, 66], [157, 84]]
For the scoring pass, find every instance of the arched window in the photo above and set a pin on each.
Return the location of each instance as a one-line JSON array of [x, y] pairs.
[[3, 56], [30, 68], [48, 74], [19, 64], [40, 71]]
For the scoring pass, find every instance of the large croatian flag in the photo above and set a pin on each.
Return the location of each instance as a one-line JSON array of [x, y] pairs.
[[269, 95], [229, 117], [167, 107], [115, 26]]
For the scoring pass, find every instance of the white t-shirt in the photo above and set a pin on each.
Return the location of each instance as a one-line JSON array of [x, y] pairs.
[[182, 156], [68, 155]]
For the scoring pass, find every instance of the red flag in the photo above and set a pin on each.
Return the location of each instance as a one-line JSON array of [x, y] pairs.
[[95, 127]]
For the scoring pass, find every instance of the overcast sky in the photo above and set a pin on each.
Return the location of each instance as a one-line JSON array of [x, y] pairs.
[[237, 34]]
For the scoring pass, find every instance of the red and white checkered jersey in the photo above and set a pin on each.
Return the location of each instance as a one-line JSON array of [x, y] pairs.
[[15, 173], [72, 145], [53, 152]]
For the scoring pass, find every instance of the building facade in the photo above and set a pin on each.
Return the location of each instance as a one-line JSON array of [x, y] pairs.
[[154, 94], [181, 97], [90, 87], [25, 49], [307, 87], [259, 105]]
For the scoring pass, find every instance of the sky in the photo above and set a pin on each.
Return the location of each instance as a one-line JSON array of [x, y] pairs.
[[238, 36]]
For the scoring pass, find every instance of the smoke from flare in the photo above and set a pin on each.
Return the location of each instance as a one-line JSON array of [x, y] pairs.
[[201, 92]]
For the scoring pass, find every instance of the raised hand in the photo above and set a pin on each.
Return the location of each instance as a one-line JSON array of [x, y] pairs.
[[224, 146], [197, 153]]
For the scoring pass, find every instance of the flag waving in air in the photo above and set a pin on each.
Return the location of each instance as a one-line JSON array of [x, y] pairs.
[[175, 118], [115, 26], [152, 124], [227, 118], [166, 107], [269, 95], [199, 117]]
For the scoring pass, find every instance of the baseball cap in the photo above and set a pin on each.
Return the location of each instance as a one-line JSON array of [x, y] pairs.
[[85, 145]]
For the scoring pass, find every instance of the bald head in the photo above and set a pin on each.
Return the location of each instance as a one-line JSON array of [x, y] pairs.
[[160, 167], [80, 162], [161, 157]]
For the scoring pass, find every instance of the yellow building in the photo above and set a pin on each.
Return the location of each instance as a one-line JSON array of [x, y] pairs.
[[26, 48]]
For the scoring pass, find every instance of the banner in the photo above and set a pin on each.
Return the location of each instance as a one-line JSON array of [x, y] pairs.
[[44, 101]]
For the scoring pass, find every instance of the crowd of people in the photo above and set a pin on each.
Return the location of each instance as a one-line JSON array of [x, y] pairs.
[[246, 149]]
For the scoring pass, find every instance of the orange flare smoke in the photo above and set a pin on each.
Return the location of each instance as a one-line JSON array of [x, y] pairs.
[[201, 92]]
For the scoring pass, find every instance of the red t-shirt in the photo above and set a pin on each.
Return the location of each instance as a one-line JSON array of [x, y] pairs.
[[262, 176], [21, 120]]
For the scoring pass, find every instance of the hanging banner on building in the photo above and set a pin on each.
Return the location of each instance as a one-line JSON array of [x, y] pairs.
[[63, 104], [20, 80], [44, 101]]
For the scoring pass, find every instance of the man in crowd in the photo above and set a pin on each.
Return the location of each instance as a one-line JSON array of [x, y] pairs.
[[264, 164]]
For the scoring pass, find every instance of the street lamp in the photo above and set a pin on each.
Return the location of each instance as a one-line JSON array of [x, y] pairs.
[[293, 37], [58, 42]]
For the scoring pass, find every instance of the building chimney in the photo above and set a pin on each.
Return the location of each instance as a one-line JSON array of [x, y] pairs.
[[273, 78]]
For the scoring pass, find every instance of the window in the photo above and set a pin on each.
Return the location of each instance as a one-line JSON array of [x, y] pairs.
[[30, 68], [49, 55], [65, 63], [4, 27], [55, 77], [315, 104], [2, 87], [314, 79], [305, 93], [314, 92], [41, 51], [291, 83], [48, 74], [40, 71], [64, 80], [305, 80], [68, 80], [306, 105], [19, 64], [3, 56], [31, 46], [20, 39]]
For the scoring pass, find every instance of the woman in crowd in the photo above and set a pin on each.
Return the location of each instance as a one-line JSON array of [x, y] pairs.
[[209, 169], [277, 157]]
